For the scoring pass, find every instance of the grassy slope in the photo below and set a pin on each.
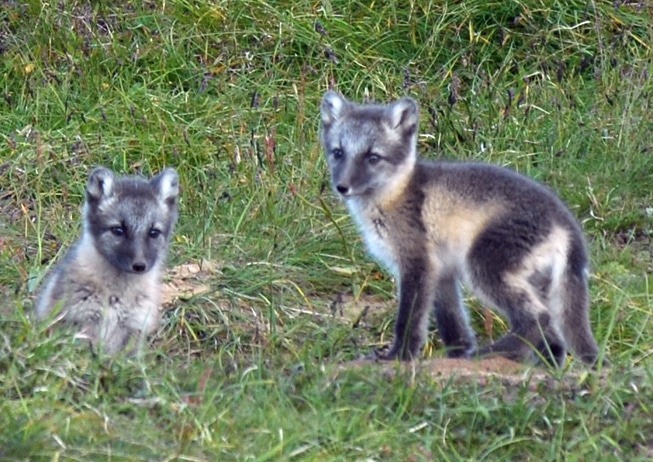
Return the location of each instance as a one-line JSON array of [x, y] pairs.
[[229, 94]]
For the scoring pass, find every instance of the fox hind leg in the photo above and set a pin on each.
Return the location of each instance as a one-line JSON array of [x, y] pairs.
[[529, 335], [519, 270], [533, 326]]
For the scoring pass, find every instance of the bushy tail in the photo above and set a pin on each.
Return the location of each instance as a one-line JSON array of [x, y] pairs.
[[575, 310]]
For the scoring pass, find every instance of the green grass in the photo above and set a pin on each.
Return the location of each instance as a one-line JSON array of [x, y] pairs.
[[228, 93]]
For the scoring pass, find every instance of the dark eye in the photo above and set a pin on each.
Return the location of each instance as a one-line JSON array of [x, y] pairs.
[[373, 159], [337, 153], [154, 233], [117, 230]]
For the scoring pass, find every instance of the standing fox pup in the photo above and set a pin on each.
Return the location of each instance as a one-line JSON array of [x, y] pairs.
[[109, 282], [435, 225]]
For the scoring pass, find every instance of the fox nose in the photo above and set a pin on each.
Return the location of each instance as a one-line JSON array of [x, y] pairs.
[[342, 189], [139, 267]]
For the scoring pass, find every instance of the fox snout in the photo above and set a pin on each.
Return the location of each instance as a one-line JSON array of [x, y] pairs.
[[139, 267], [132, 259], [343, 189], [342, 181], [139, 262]]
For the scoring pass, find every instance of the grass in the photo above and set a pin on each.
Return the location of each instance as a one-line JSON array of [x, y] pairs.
[[228, 93]]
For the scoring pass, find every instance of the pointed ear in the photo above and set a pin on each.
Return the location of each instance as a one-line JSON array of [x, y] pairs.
[[167, 186], [333, 107], [403, 115], [101, 184]]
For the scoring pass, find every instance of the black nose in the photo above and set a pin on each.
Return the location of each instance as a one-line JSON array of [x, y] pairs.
[[139, 267], [342, 189]]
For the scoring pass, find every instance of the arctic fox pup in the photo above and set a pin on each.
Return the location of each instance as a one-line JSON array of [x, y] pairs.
[[435, 225], [109, 283]]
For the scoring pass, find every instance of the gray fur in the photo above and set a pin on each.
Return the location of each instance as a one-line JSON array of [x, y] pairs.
[[109, 282], [437, 225]]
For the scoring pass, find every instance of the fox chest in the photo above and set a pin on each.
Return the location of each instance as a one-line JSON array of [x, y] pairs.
[[132, 304], [136, 308], [380, 240]]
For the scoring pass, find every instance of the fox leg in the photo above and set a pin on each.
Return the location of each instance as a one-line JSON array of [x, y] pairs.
[[534, 321], [534, 334], [416, 286], [532, 328], [515, 266], [451, 318]]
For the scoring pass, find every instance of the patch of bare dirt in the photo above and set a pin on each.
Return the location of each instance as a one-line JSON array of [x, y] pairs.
[[188, 280], [479, 371], [446, 369], [356, 310], [361, 311]]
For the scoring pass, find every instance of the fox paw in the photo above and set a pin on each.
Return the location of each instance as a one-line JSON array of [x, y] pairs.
[[391, 354]]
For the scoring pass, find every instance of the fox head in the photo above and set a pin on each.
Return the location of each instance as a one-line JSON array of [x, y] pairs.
[[370, 149], [130, 219]]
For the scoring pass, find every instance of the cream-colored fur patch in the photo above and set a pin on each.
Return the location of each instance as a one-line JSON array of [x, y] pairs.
[[552, 253], [455, 223]]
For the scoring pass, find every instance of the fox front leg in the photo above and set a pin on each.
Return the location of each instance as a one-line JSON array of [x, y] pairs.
[[416, 288]]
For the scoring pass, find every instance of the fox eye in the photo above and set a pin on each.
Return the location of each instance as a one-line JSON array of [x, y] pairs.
[[337, 153], [154, 233], [373, 159], [117, 231]]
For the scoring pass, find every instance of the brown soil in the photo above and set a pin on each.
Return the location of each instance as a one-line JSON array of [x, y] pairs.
[[495, 370], [447, 368]]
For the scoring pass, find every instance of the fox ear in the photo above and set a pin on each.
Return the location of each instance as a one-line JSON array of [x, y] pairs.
[[404, 115], [167, 185], [333, 106], [100, 184]]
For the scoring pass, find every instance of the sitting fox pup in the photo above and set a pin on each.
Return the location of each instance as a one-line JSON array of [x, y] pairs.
[[435, 225], [109, 282]]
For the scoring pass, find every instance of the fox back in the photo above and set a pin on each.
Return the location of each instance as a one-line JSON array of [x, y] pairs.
[[109, 282], [437, 225]]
